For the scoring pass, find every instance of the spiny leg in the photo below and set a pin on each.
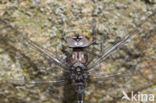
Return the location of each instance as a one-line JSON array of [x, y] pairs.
[[63, 36], [93, 27]]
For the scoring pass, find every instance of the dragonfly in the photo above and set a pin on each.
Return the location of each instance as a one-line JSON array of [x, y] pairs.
[[74, 73]]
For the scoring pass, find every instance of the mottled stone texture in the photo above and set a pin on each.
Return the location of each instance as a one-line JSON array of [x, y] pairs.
[[41, 21]]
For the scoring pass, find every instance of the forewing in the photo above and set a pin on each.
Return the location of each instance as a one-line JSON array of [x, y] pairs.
[[27, 67], [130, 69], [123, 40], [44, 51], [109, 87]]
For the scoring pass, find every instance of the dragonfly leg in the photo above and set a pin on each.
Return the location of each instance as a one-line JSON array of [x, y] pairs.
[[93, 53], [101, 50], [93, 27]]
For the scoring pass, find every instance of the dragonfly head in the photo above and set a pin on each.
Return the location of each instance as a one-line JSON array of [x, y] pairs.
[[78, 41], [77, 37]]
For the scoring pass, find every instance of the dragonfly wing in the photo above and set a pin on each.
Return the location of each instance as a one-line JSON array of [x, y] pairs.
[[23, 38], [112, 85], [28, 64], [101, 76], [117, 45], [46, 53]]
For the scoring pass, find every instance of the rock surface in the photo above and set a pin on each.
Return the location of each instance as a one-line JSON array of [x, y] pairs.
[[42, 20]]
